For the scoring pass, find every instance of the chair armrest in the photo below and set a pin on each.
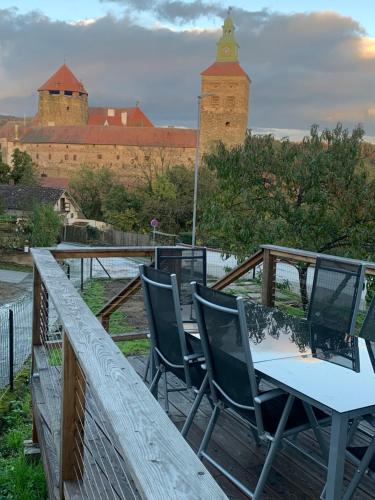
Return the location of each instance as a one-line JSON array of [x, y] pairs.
[[194, 358], [266, 396]]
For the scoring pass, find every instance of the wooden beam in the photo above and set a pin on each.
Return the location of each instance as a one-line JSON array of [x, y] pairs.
[[87, 252], [239, 271], [72, 418], [159, 460], [36, 340], [269, 274], [115, 302]]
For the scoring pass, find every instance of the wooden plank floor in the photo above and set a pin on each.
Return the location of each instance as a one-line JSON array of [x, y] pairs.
[[293, 476]]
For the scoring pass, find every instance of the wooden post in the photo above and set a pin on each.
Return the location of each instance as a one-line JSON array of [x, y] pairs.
[[72, 417], [105, 322], [269, 276], [36, 340]]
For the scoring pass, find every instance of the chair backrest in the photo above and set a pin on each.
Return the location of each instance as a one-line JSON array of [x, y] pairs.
[[336, 294], [368, 328], [164, 317], [188, 264], [225, 342]]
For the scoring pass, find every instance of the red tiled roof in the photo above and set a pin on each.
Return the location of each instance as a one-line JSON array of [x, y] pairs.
[[54, 182], [126, 136], [63, 79], [224, 69], [8, 130], [114, 116]]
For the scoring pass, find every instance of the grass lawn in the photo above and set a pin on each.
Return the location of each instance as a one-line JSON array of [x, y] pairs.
[[94, 296], [19, 479]]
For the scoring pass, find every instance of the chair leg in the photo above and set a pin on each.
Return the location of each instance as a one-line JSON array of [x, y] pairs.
[[273, 448], [194, 408], [154, 384], [209, 430], [353, 429], [360, 471], [255, 434], [166, 400], [147, 367]]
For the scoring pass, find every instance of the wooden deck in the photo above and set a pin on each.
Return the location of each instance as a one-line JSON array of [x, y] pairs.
[[292, 477]]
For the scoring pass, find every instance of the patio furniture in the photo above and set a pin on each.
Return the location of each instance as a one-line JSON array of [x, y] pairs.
[[274, 415], [364, 456], [171, 349], [336, 294], [188, 264]]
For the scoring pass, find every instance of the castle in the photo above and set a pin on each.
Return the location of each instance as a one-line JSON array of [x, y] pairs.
[[66, 133]]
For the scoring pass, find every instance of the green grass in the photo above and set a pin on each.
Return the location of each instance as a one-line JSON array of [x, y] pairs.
[[19, 479], [94, 296], [134, 347], [10, 266]]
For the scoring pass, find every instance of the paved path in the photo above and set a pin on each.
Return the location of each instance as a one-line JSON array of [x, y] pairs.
[[15, 277]]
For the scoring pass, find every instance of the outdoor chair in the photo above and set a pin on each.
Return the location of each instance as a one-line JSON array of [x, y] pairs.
[[188, 264], [336, 295], [272, 415], [364, 456], [171, 349]]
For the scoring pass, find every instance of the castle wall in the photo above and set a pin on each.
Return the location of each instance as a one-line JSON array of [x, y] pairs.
[[224, 115], [61, 109], [129, 163]]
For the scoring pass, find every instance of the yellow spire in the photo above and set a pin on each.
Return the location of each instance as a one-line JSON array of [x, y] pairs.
[[227, 47]]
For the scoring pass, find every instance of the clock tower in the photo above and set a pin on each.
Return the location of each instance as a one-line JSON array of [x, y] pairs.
[[224, 99]]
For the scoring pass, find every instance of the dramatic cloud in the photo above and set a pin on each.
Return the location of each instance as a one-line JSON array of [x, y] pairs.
[[305, 68]]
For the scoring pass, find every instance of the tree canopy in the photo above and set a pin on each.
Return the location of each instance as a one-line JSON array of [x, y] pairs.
[[23, 169], [44, 226], [316, 195]]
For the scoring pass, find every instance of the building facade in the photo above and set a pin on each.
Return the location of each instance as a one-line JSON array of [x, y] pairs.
[[66, 133]]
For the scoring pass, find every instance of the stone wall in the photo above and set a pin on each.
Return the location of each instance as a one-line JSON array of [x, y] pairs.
[[61, 109], [224, 114], [129, 163]]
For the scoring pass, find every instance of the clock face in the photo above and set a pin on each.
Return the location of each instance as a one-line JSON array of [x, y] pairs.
[[226, 51]]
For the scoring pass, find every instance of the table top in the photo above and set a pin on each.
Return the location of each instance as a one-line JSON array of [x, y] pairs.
[[332, 368]]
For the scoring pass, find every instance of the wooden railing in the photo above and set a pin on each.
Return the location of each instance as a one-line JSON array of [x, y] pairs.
[[100, 431]]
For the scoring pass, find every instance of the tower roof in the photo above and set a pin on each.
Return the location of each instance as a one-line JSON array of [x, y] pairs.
[[63, 79], [227, 47]]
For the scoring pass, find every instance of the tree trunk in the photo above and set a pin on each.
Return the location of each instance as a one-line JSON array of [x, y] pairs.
[[302, 273]]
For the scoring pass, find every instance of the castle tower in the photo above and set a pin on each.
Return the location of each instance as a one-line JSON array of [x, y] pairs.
[[62, 100], [224, 98]]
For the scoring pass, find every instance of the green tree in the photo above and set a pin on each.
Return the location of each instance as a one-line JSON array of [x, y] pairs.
[[314, 195], [89, 188], [44, 226], [23, 169], [4, 171]]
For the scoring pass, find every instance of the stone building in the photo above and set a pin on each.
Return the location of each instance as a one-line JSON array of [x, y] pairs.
[[66, 133]]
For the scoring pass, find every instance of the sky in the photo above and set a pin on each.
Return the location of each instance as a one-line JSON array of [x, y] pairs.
[[310, 61]]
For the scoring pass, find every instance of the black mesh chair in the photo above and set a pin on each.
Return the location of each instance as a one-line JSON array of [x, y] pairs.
[[364, 456], [188, 264], [336, 294], [172, 350], [273, 415]]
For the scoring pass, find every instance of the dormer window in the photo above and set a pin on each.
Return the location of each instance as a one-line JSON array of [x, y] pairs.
[[68, 92], [54, 92]]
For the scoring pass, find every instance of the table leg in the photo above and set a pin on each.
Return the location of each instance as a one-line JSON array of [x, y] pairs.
[[336, 461]]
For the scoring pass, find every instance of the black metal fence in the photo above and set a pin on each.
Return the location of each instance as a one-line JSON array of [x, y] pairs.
[[15, 338]]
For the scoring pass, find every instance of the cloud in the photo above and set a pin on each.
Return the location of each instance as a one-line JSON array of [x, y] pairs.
[[305, 68]]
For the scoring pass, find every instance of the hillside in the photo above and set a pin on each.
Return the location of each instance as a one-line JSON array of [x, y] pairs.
[[5, 118]]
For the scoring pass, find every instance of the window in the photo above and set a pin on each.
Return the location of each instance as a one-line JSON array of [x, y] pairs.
[[43, 174], [66, 157], [54, 92], [68, 92], [75, 157], [81, 93], [67, 108], [67, 146], [215, 101], [37, 156], [118, 157], [49, 156], [62, 204], [227, 124], [99, 157], [230, 102], [147, 158]]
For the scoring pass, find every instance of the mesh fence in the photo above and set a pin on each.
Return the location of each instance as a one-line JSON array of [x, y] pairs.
[[22, 327]]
